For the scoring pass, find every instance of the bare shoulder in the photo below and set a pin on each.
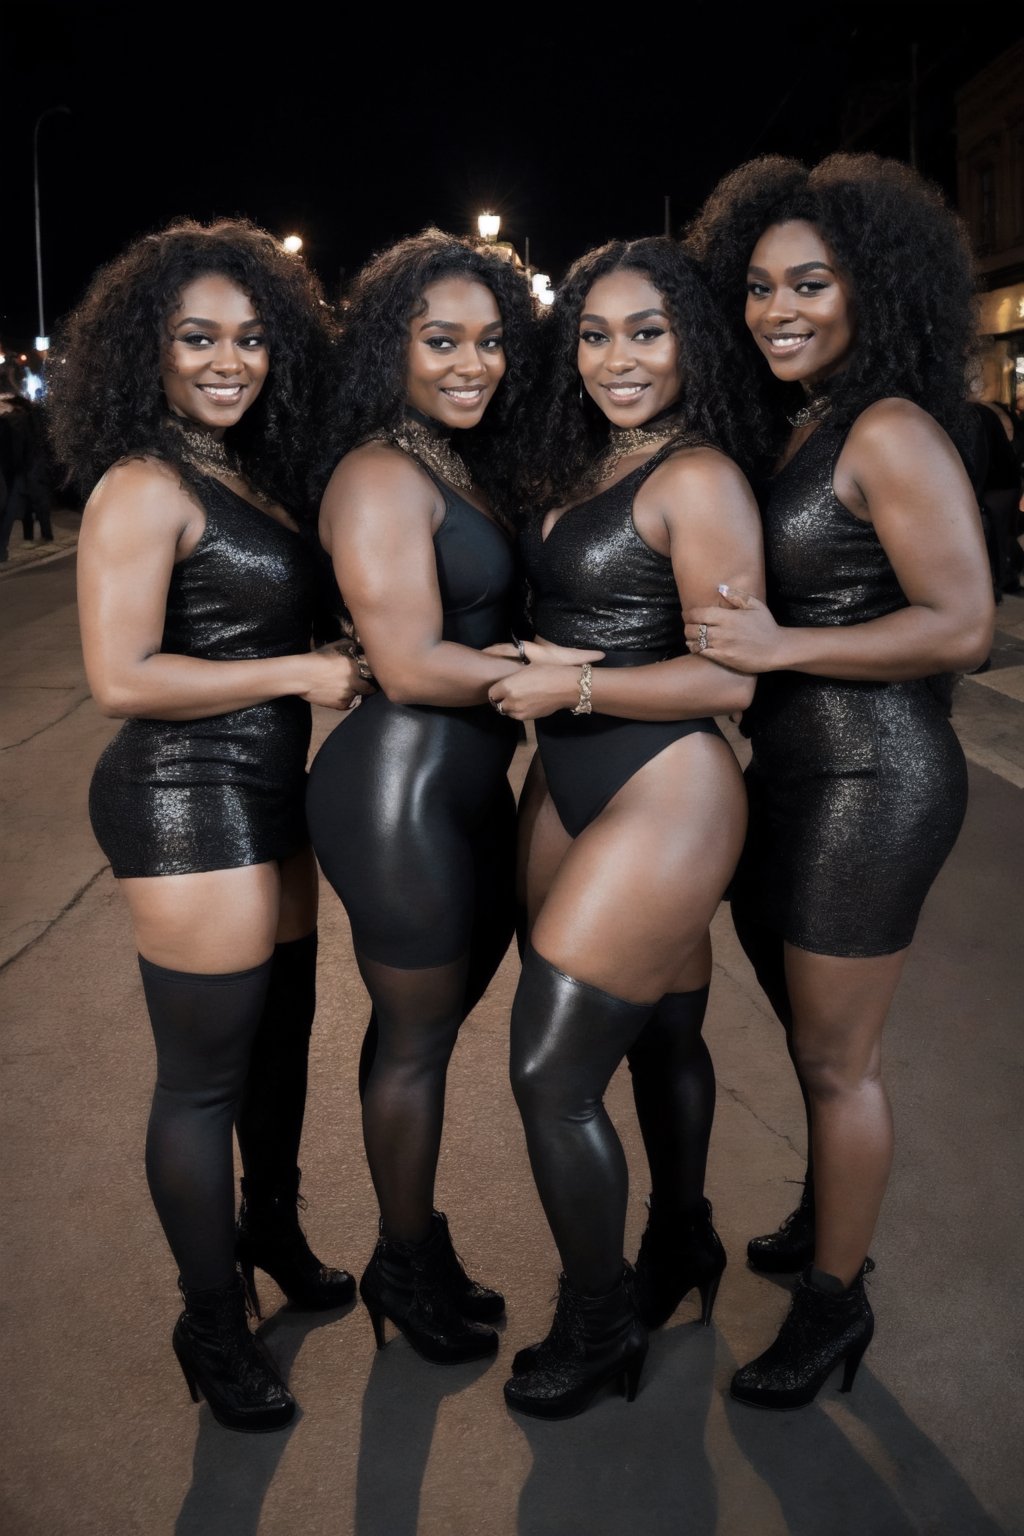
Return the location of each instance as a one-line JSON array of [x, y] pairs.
[[374, 469], [141, 492], [703, 474], [889, 431]]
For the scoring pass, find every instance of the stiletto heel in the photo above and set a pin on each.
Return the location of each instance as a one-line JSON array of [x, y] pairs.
[[708, 1292], [678, 1254], [822, 1329], [190, 1380], [631, 1375], [376, 1320]]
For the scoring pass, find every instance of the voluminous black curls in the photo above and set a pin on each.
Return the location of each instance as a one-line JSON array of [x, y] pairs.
[[370, 395], [105, 399], [909, 262], [567, 431]]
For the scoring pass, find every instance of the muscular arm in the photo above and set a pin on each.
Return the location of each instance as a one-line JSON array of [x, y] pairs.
[[377, 522], [900, 470], [137, 522], [697, 510]]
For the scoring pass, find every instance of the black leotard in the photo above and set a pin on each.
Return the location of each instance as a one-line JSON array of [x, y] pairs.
[[595, 583], [857, 789], [409, 805], [175, 797]]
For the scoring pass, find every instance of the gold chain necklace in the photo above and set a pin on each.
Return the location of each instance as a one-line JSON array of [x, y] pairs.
[[433, 450], [209, 455], [623, 441]]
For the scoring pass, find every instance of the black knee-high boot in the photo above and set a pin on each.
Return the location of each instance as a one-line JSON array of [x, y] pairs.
[[674, 1091], [567, 1039], [270, 1118], [203, 1027]]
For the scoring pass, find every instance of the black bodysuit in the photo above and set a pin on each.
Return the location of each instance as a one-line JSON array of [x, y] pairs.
[[410, 808], [594, 583], [857, 789], [175, 797]]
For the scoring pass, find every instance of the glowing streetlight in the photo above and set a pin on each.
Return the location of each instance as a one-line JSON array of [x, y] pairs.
[[292, 244], [488, 224], [50, 112]]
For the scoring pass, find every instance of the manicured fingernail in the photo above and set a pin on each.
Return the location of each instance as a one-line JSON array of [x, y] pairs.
[[724, 591]]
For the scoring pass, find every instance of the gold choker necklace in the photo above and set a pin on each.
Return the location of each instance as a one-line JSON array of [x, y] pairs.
[[623, 441], [816, 409], [205, 452], [432, 449]]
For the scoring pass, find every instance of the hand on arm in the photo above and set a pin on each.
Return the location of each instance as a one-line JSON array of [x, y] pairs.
[[377, 522], [899, 470], [137, 522]]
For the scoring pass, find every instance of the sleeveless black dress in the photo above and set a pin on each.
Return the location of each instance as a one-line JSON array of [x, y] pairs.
[[595, 583], [857, 789], [176, 797], [410, 809]]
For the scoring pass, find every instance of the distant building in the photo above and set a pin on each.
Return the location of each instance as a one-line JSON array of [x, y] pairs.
[[990, 178]]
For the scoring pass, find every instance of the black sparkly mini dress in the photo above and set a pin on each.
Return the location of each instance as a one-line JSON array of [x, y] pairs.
[[594, 583], [857, 789], [177, 797]]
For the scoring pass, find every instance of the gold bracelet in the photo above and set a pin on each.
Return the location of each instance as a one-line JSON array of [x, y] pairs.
[[584, 706]]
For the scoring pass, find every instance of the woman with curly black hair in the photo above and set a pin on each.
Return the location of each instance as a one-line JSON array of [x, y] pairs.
[[857, 283], [182, 401], [634, 814], [410, 808]]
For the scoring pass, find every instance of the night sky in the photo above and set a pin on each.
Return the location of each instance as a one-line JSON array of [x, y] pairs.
[[353, 134]]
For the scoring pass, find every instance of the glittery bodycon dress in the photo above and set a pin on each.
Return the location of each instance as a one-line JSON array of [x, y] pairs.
[[175, 797], [595, 583], [857, 789], [410, 808]]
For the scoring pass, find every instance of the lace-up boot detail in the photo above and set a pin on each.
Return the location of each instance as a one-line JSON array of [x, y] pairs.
[[822, 1330], [475, 1301], [224, 1362], [409, 1283], [269, 1237]]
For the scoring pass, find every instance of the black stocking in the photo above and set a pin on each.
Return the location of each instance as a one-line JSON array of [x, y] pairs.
[[274, 1099], [567, 1040], [416, 1017], [203, 1027], [674, 1092]]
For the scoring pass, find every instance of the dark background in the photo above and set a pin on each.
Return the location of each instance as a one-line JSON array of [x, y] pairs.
[[354, 133]]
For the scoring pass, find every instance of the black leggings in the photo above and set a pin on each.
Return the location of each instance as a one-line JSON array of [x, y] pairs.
[[413, 821]]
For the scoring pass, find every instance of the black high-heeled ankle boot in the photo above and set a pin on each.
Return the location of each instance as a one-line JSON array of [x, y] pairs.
[[594, 1341], [822, 1329], [791, 1247], [677, 1254], [475, 1301], [410, 1283], [225, 1363], [269, 1237]]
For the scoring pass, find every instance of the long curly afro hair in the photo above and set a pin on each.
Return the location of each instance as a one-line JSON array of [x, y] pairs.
[[909, 262], [567, 432], [105, 399]]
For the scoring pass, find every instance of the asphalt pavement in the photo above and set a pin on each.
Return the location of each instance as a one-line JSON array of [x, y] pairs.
[[98, 1432]]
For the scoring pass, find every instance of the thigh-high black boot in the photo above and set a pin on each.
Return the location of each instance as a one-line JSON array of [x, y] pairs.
[[674, 1092], [567, 1039], [203, 1027], [269, 1133]]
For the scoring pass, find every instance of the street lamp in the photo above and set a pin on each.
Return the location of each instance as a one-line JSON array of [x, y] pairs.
[[488, 224], [50, 112], [292, 244]]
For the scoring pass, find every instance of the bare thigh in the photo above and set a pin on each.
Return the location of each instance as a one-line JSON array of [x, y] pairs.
[[543, 842], [629, 905], [212, 923]]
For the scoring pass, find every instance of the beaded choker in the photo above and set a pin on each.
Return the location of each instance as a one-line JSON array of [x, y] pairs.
[[423, 440], [209, 455], [623, 441]]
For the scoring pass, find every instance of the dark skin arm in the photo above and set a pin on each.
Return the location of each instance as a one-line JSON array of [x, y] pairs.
[[898, 470], [698, 511]]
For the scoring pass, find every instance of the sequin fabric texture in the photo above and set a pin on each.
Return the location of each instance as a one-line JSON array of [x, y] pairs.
[[172, 797], [857, 789]]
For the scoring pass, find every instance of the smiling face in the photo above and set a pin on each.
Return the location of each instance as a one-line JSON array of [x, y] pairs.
[[215, 360], [628, 355], [455, 358], [799, 304]]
